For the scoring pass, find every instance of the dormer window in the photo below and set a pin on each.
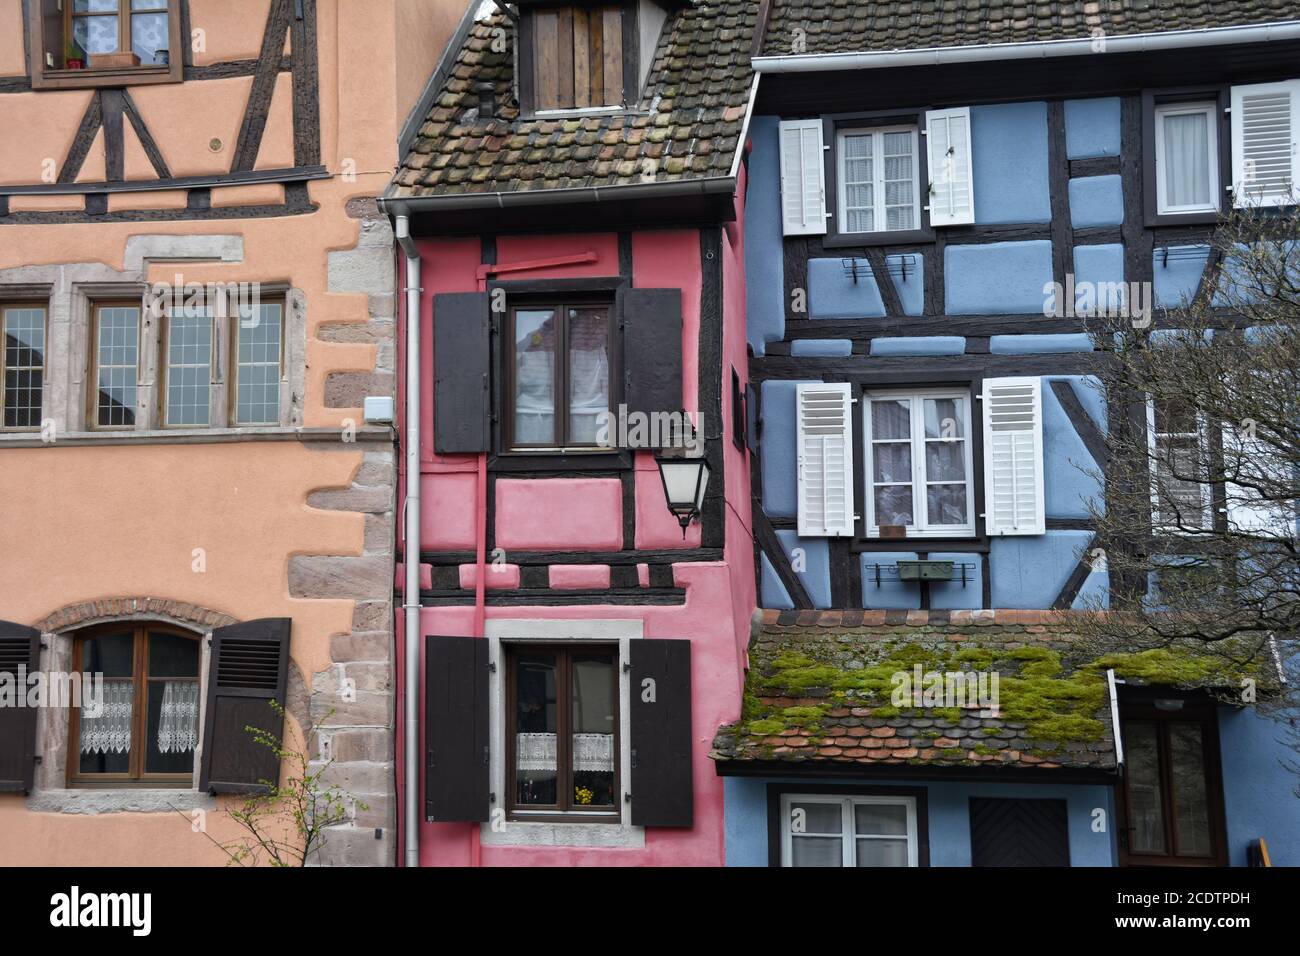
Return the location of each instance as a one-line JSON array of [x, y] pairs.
[[586, 54]]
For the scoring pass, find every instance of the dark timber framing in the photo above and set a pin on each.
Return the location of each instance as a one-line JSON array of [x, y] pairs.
[[110, 107]]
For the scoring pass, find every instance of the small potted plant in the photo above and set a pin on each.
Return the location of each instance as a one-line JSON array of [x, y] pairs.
[[74, 57]]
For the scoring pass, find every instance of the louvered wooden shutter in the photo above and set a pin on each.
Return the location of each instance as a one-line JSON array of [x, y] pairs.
[[825, 459], [660, 712], [1013, 456], [803, 180], [651, 321], [20, 655], [456, 729], [952, 193], [1265, 155], [461, 406], [248, 668]]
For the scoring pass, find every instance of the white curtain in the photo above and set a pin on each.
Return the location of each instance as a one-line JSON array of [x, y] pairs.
[[1187, 161], [178, 729], [591, 752], [535, 397], [588, 394], [110, 732]]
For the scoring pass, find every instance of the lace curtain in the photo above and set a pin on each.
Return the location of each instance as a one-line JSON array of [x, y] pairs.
[[110, 732], [178, 728], [588, 394], [1187, 159], [591, 752]]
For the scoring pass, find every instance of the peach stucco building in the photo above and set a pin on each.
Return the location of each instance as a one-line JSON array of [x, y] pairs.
[[192, 501]]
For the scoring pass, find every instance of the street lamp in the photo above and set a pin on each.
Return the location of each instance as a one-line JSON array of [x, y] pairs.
[[685, 481]]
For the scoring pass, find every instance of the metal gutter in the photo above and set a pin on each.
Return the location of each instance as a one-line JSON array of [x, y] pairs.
[[1114, 716], [1044, 49], [411, 545], [744, 128]]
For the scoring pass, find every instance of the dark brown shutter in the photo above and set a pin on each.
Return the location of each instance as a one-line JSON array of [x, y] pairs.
[[461, 408], [51, 35], [662, 794], [456, 729], [248, 668], [20, 649], [651, 320]]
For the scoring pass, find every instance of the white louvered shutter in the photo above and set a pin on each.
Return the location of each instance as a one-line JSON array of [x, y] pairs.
[[1248, 511], [824, 419], [947, 141], [1013, 456], [1265, 155], [803, 183]]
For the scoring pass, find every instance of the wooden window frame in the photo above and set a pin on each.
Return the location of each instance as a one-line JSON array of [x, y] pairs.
[[832, 126], [1138, 706], [565, 810], [6, 305], [779, 793], [92, 351], [45, 77], [1208, 109], [527, 59], [232, 373], [561, 385], [871, 529], [136, 775], [879, 208], [1151, 99]]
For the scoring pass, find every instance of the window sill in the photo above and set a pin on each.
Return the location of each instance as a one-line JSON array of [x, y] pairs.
[[122, 800], [547, 833], [1182, 218], [92, 79], [856, 240]]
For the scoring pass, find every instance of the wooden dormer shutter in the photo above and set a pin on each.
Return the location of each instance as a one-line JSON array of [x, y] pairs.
[[248, 668], [20, 654]]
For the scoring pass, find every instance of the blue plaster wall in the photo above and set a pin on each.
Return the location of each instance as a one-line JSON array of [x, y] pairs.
[[919, 345], [1067, 465], [1102, 268], [1009, 153], [779, 452], [1096, 201], [1092, 128], [1175, 279], [1039, 344], [892, 594], [998, 277], [1258, 791], [772, 592], [951, 595], [821, 348], [816, 575], [764, 253], [911, 288], [1027, 572], [948, 806], [832, 293]]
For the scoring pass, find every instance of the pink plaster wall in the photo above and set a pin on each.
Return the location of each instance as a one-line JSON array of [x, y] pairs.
[[578, 576], [559, 514], [655, 525], [497, 577]]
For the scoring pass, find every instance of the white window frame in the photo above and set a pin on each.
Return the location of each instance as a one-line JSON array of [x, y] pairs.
[[879, 213], [1210, 109], [1203, 445], [847, 835], [919, 529]]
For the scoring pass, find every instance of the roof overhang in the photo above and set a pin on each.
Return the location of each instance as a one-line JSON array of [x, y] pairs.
[[1045, 49]]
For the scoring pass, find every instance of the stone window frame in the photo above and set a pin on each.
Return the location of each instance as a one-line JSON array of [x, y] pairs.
[[67, 397], [499, 831], [51, 792], [19, 302]]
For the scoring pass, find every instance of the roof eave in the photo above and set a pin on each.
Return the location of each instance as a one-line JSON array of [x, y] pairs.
[[396, 204], [1044, 49]]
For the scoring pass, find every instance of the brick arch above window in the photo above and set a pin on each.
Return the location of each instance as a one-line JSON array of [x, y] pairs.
[[102, 610]]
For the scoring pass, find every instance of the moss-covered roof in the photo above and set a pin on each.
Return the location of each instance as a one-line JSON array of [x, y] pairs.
[[686, 124], [824, 691]]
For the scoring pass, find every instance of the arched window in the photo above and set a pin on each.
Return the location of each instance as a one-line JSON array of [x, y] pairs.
[[146, 731]]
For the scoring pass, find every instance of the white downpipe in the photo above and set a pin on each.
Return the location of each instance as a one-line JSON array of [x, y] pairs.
[[411, 553], [983, 52]]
